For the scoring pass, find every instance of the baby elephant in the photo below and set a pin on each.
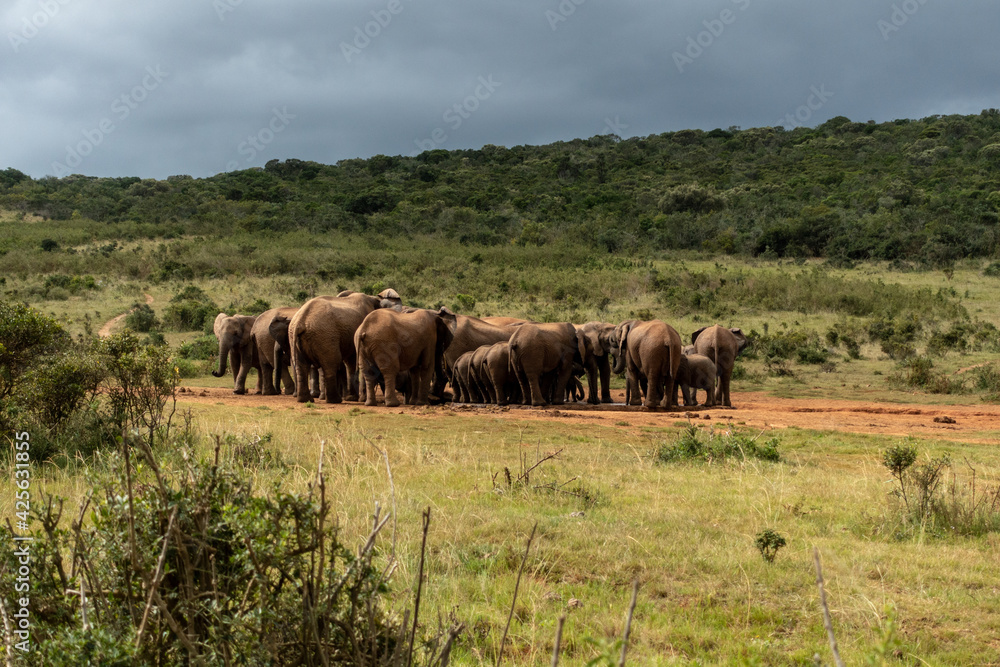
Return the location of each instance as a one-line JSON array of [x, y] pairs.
[[696, 372]]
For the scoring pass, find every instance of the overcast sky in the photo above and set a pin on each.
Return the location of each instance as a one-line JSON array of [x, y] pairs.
[[151, 89]]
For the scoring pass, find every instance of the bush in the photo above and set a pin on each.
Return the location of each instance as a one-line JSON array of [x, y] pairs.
[[25, 335], [258, 578], [961, 509], [202, 348], [918, 372], [190, 310], [142, 318], [140, 379], [690, 446], [690, 197], [68, 284], [986, 379]]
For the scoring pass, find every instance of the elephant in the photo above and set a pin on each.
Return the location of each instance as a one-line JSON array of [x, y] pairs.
[[598, 335], [696, 371], [479, 381], [503, 321], [283, 355], [497, 371], [651, 352], [404, 385], [460, 379], [390, 342], [273, 361], [235, 344], [722, 346], [470, 334], [537, 349], [321, 334]]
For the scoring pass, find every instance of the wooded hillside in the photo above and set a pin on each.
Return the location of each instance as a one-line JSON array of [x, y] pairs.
[[924, 191]]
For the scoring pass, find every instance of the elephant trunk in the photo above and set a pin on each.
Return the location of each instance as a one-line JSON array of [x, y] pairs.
[[224, 349], [619, 365]]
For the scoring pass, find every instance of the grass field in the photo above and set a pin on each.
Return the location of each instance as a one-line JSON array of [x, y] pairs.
[[608, 512]]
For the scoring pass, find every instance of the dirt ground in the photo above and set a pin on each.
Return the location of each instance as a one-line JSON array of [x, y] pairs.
[[960, 423]]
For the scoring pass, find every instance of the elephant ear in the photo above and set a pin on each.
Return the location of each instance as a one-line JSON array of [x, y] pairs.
[[390, 295], [582, 344], [622, 331], [594, 340], [220, 319], [741, 339], [697, 333]]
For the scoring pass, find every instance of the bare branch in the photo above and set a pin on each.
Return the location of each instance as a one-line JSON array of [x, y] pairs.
[[827, 623], [517, 585]]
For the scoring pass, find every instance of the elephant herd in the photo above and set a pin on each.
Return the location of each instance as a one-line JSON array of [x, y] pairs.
[[351, 346]]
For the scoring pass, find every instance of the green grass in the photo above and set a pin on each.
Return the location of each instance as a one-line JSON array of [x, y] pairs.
[[686, 531]]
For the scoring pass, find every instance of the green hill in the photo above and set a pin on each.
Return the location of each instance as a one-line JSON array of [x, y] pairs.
[[924, 191]]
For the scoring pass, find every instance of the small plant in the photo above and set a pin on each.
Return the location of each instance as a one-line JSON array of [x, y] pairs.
[[898, 460], [141, 318], [768, 542], [690, 446]]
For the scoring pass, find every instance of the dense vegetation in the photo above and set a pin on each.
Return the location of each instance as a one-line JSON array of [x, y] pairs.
[[924, 191]]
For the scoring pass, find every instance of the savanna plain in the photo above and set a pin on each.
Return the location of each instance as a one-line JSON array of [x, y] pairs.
[[674, 500]]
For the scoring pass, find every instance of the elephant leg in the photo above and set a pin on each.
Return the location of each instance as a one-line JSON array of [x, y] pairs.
[[420, 380], [370, 388], [498, 389], [241, 378], [267, 374], [334, 377], [562, 381], [592, 397], [634, 397], [286, 380], [303, 369], [654, 384], [391, 396], [724, 384], [235, 362], [315, 382], [604, 366], [534, 390], [488, 389], [670, 392]]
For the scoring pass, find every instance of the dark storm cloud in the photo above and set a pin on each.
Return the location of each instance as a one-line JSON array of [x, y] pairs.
[[203, 86]]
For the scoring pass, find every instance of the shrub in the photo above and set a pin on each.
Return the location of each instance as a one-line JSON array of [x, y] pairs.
[[986, 379], [202, 348], [918, 372], [190, 310], [690, 197], [690, 446], [25, 335], [768, 542], [140, 379], [265, 578], [142, 318], [68, 284], [962, 509]]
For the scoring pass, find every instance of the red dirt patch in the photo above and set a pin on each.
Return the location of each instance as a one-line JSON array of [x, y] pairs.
[[752, 409]]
